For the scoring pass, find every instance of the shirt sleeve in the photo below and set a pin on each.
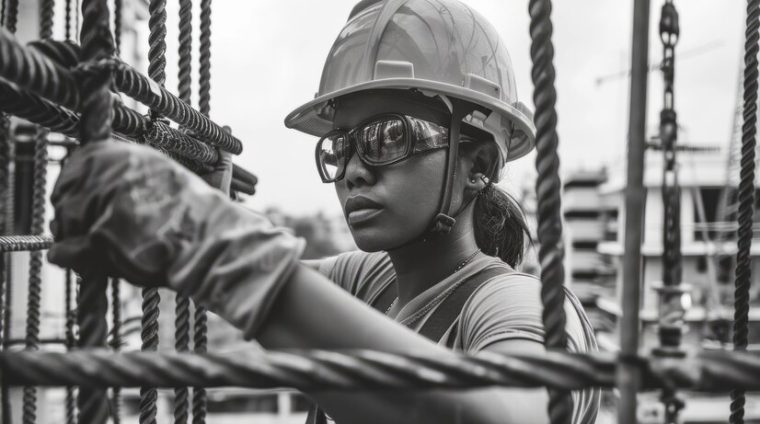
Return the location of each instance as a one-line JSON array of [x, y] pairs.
[[351, 270], [509, 307]]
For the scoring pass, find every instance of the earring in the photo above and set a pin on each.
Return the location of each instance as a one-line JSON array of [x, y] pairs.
[[473, 180]]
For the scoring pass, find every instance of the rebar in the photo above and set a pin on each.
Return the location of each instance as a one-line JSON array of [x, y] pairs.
[[34, 295], [548, 188], [95, 126], [746, 196]]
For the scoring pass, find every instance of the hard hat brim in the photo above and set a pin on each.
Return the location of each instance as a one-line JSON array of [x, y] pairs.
[[307, 119]]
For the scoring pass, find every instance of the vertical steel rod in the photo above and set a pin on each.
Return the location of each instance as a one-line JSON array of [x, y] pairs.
[[628, 378]]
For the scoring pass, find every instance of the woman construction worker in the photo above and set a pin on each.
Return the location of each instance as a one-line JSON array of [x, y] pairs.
[[416, 116]]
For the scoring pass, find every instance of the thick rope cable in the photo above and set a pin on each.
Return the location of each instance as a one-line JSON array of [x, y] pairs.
[[5, 286], [116, 344], [746, 197], [34, 297], [77, 27], [115, 283], [182, 307], [204, 69], [37, 73], [200, 342], [705, 371], [151, 298], [67, 20], [47, 13], [548, 187], [9, 204], [200, 328], [95, 126], [11, 15], [117, 22], [70, 401], [185, 51], [39, 180]]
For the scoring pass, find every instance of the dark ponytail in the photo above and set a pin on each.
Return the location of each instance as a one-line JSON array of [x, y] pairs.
[[500, 227]]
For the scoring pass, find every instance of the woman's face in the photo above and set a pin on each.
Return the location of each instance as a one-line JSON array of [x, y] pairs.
[[388, 206]]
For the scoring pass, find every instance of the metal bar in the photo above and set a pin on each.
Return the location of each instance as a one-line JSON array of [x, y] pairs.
[[628, 378], [24, 243], [706, 371]]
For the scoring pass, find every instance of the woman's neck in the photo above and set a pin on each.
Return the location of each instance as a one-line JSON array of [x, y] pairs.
[[421, 265]]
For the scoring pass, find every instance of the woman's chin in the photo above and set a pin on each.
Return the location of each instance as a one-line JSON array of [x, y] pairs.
[[373, 239]]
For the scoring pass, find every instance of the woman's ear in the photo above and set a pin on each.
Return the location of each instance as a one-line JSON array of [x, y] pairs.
[[481, 159]]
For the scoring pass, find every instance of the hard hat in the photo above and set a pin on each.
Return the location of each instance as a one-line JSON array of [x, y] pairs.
[[437, 47]]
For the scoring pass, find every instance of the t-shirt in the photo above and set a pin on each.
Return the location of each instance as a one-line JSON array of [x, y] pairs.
[[505, 307]]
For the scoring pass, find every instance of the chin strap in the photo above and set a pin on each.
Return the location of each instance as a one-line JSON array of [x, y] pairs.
[[444, 221]]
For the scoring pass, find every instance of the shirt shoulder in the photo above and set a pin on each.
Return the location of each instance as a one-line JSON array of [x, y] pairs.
[[357, 271], [509, 306]]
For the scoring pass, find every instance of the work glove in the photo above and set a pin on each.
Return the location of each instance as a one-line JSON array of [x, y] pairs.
[[127, 211]]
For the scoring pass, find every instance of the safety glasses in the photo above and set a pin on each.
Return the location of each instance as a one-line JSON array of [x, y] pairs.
[[380, 141]]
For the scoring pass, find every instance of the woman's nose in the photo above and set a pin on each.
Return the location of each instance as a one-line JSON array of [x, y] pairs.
[[358, 173]]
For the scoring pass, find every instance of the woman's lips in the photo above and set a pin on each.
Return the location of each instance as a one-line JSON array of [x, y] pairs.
[[360, 216]]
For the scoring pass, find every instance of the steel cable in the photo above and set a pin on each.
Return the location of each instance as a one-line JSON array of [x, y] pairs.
[[11, 15], [204, 106], [70, 344], [746, 196], [548, 187], [5, 286], [182, 307], [151, 298], [200, 328], [39, 182], [24, 243], [706, 371], [10, 19], [67, 20], [115, 283], [116, 344], [95, 126], [33, 71], [47, 13]]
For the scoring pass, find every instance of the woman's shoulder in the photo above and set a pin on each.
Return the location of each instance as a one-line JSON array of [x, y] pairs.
[[509, 305]]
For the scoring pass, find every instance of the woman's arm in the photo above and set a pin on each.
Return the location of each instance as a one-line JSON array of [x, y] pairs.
[[312, 313]]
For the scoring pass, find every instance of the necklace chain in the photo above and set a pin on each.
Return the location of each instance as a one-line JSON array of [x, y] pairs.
[[457, 269]]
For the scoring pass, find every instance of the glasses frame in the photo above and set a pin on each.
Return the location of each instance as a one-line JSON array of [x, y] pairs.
[[410, 144]]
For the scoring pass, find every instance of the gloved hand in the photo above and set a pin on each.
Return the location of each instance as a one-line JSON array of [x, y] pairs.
[[127, 211], [221, 176]]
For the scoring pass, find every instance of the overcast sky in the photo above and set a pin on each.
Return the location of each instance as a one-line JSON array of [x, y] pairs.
[[267, 58]]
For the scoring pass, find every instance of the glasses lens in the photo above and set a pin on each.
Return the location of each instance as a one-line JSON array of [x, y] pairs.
[[428, 135], [331, 155], [382, 141]]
